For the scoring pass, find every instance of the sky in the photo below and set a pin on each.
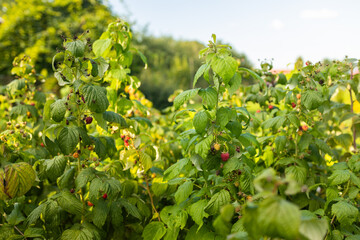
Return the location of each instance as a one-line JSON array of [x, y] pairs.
[[281, 30]]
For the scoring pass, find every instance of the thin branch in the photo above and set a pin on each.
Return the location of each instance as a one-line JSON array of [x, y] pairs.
[[151, 198], [352, 111], [19, 231]]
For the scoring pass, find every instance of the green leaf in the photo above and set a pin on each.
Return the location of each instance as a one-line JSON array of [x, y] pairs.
[[85, 176], [77, 48], [202, 148], [68, 138], [234, 84], [183, 191], [299, 173], [200, 121], [225, 67], [275, 122], [47, 110], [55, 167], [279, 218], [294, 120], [95, 98], [282, 79], [130, 208], [223, 116], [79, 232], [339, 176], [231, 165], [114, 118], [100, 212], [197, 212], [101, 47], [200, 234], [200, 72], [345, 212], [311, 99], [15, 217], [34, 233], [159, 187], [175, 169], [154, 231], [217, 201], [255, 76], [100, 120], [16, 179], [185, 96], [145, 161], [305, 141], [344, 140], [35, 214], [280, 143], [313, 228], [323, 146], [70, 203], [209, 96], [66, 180], [102, 66], [94, 68], [58, 110]]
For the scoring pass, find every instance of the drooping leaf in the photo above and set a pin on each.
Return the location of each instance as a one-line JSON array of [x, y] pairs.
[[77, 48], [154, 231], [15, 180], [217, 201], [58, 110], [68, 138], [184, 96], [200, 121], [95, 98], [183, 191]]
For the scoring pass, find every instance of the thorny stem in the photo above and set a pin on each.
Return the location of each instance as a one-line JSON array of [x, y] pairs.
[[352, 111], [151, 198]]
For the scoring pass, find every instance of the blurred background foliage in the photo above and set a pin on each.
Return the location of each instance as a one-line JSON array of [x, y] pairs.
[[35, 27]]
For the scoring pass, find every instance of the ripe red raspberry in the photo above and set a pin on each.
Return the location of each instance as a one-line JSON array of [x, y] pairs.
[[224, 156], [293, 105], [104, 196], [88, 120], [271, 107], [258, 111], [41, 144]]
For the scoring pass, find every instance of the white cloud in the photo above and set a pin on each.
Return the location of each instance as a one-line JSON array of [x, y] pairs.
[[277, 24], [319, 14]]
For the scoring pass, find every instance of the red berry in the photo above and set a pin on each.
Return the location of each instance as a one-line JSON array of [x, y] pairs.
[[271, 107], [88, 120], [90, 204], [258, 111], [122, 137], [104, 196], [293, 105], [126, 143], [41, 144], [72, 190], [225, 156]]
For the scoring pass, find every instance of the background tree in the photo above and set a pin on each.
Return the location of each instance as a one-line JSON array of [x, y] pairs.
[[34, 27]]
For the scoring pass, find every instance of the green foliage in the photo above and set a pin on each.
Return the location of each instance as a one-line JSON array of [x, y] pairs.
[[98, 162]]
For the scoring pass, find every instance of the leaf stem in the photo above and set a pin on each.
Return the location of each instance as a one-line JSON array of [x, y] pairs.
[[352, 110], [17, 229], [151, 198]]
